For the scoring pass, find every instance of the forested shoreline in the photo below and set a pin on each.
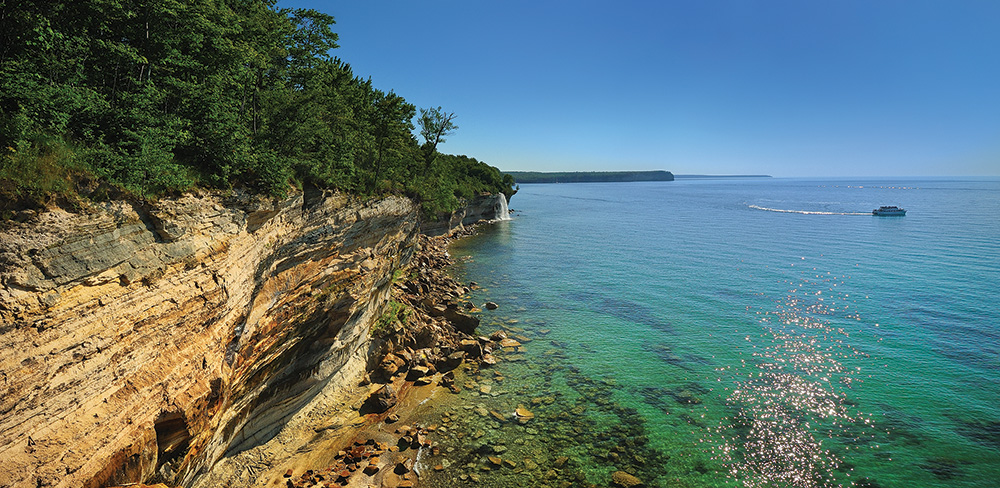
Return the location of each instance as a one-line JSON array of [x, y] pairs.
[[589, 176], [146, 99]]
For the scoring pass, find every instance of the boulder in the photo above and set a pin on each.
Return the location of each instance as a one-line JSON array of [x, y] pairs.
[[523, 415], [491, 306], [382, 400], [462, 321], [406, 355], [471, 347], [404, 466], [625, 480], [140, 485], [452, 361], [389, 366], [437, 310], [417, 372]]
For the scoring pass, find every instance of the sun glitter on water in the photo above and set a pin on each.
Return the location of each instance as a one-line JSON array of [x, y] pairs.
[[791, 419]]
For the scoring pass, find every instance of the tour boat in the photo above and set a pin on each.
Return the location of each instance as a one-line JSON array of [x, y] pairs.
[[890, 211]]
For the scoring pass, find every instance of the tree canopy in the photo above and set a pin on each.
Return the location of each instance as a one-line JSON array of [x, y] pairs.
[[153, 98], [434, 125]]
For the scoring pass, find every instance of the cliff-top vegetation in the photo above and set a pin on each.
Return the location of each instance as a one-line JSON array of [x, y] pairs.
[[153, 98]]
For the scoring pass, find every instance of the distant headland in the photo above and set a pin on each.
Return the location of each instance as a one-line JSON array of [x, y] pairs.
[[609, 176], [589, 176], [707, 177]]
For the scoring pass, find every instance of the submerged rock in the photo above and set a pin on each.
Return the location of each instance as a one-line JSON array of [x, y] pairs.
[[472, 347], [523, 415], [625, 480]]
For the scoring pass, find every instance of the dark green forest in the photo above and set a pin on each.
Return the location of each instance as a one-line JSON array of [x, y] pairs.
[[102, 98]]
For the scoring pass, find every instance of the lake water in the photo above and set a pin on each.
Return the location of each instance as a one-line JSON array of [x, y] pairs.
[[736, 332]]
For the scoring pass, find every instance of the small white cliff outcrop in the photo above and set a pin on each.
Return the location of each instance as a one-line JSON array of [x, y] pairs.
[[480, 208]]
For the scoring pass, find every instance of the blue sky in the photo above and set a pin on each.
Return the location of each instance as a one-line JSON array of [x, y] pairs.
[[787, 88]]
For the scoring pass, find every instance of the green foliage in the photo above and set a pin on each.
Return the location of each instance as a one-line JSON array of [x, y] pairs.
[[435, 123], [41, 166], [400, 274], [153, 98], [395, 313], [451, 180]]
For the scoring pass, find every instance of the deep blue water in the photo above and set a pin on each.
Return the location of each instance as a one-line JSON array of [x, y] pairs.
[[746, 332]]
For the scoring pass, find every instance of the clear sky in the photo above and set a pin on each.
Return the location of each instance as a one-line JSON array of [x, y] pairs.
[[787, 88]]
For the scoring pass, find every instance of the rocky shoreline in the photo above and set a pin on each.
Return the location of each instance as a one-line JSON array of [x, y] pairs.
[[427, 335], [425, 345], [370, 369], [440, 411]]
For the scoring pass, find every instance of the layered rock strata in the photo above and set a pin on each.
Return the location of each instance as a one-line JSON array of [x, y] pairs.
[[148, 341], [421, 348], [480, 208]]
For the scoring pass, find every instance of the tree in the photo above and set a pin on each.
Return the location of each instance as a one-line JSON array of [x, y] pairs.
[[153, 98], [392, 123], [434, 125], [309, 44]]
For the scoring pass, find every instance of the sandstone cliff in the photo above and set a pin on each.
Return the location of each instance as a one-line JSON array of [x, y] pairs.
[[482, 207], [154, 339]]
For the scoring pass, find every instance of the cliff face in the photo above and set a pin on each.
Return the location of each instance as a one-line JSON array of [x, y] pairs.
[[137, 341], [483, 207]]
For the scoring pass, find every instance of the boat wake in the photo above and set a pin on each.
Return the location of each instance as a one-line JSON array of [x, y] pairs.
[[806, 212]]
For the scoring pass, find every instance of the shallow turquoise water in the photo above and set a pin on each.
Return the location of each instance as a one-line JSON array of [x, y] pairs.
[[759, 332]]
